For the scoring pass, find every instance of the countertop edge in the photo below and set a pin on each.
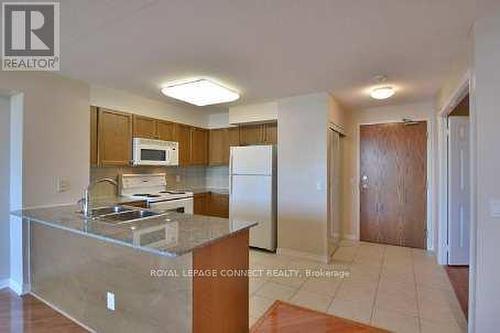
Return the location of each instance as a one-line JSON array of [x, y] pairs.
[[165, 253]]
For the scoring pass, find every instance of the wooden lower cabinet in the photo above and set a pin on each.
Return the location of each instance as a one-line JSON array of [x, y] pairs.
[[220, 303], [211, 204], [200, 203]]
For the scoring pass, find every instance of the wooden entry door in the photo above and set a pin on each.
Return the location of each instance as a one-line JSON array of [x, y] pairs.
[[393, 194]]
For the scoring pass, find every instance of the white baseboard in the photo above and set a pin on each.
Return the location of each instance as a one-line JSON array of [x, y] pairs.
[[61, 312], [302, 255], [19, 289], [14, 286], [352, 237]]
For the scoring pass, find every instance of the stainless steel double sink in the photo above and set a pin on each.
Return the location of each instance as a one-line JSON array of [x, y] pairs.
[[120, 214]]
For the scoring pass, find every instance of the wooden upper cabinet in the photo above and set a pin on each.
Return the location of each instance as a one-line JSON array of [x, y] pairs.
[[262, 134], [251, 135], [114, 136], [144, 127], [199, 146], [150, 128], [271, 133], [219, 143], [218, 147], [93, 137], [182, 134], [233, 134], [165, 130]]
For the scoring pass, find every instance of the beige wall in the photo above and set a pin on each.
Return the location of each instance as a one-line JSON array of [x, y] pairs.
[[253, 113], [4, 188], [350, 189], [56, 135], [127, 102], [485, 118], [302, 173]]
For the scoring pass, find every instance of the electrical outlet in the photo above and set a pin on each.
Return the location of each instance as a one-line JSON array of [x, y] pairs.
[[62, 184], [111, 301], [178, 178]]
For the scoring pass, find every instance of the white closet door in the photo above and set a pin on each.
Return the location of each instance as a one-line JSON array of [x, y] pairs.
[[458, 191]]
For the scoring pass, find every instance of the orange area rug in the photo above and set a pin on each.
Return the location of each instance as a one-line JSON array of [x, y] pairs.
[[282, 317]]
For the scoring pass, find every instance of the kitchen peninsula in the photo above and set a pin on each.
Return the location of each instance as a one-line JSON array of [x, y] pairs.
[[141, 275]]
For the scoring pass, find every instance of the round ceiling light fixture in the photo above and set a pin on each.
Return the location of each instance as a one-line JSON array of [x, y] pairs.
[[381, 91]]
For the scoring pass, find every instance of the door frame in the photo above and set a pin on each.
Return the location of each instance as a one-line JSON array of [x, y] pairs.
[[464, 87], [429, 174], [456, 97]]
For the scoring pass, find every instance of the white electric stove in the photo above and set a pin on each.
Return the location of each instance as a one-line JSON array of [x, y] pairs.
[[153, 189]]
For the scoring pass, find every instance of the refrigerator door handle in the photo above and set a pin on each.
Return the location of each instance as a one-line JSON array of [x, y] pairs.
[[231, 173]]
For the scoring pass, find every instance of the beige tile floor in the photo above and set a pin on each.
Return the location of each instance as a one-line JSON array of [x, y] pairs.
[[396, 288]]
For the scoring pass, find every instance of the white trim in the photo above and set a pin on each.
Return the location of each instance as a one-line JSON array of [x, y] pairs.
[[442, 155], [55, 308], [431, 224], [4, 283], [18, 288], [352, 237], [302, 255], [14, 286], [337, 128], [457, 95]]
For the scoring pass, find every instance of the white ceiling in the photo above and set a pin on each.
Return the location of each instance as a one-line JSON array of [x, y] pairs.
[[268, 48]]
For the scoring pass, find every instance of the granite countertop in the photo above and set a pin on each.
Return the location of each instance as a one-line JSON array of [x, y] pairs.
[[170, 234]]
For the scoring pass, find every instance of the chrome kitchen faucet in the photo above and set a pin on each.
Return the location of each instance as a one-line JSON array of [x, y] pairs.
[[85, 201]]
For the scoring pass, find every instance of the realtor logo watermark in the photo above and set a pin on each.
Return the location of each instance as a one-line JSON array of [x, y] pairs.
[[30, 36]]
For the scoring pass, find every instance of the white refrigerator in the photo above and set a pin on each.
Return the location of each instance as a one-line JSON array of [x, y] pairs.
[[252, 192]]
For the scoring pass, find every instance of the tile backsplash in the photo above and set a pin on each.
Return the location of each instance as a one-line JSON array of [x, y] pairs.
[[193, 177], [217, 177]]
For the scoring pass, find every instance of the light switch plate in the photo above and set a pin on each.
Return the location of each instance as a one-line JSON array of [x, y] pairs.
[[495, 208], [111, 301], [62, 184]]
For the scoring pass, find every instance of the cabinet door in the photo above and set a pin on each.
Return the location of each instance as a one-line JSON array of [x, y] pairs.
[[144, 127], [182, 134], [233, 137], [114, 137], [200, 203], [251, 135], [93, 136], [271, 133], [218, 205], [218, 147], [199, 146], [165, 130]]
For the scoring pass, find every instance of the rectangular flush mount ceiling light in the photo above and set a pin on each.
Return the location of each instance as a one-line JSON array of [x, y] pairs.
[[200, 92]]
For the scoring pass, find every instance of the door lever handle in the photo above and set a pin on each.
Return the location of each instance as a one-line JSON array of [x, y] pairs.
[[364, 181]]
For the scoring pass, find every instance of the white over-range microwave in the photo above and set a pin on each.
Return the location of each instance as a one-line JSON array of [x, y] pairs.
[[154, 152]]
